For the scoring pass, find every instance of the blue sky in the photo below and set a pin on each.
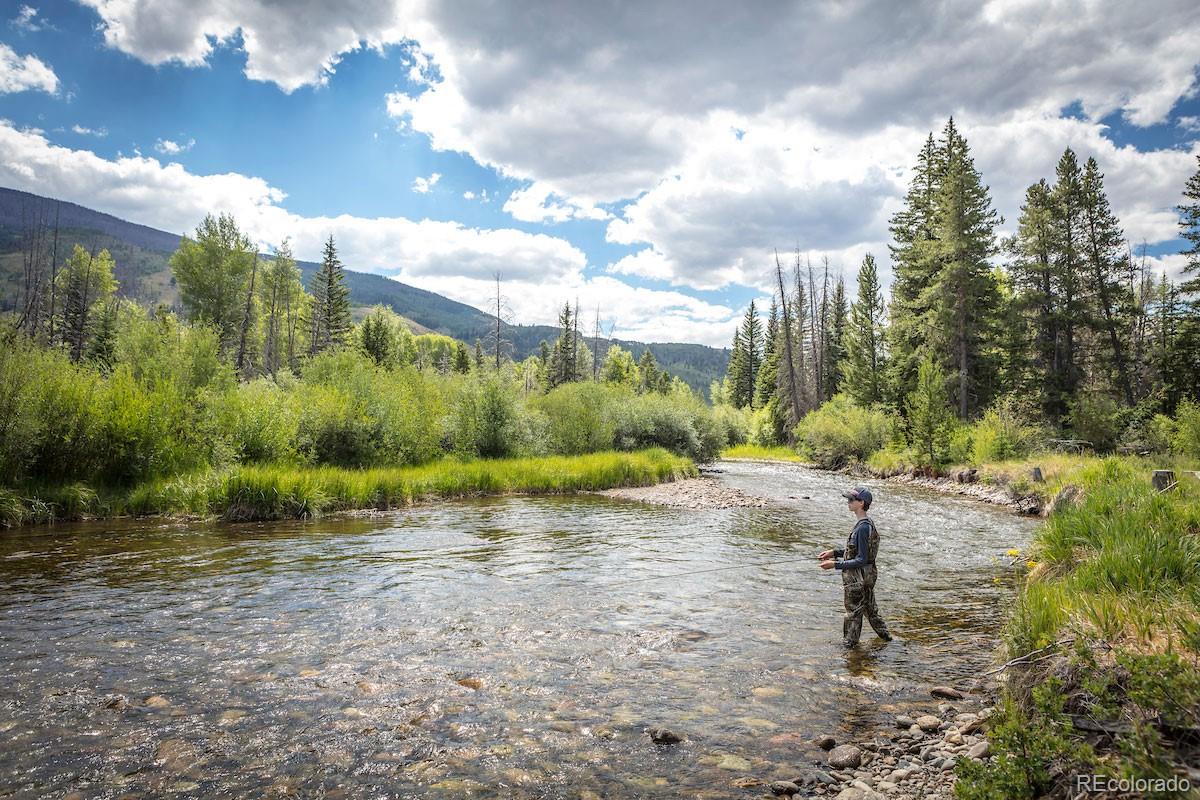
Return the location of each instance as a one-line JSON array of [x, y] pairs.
[[632, 158]]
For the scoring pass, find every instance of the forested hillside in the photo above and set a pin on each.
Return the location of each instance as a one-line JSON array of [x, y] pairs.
[[140, 266]]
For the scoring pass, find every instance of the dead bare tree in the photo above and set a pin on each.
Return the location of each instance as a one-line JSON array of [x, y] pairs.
[[788, 376], [247, 317], [495, 337]]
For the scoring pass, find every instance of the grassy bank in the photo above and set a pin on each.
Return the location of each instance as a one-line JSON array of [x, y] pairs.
[[280, 491], [1104, 641]]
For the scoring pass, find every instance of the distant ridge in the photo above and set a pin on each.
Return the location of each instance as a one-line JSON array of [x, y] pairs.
[[141, 254]]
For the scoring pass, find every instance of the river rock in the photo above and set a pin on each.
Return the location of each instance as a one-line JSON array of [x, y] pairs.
[[953, 737], [928, 723], [118, 703], [904, 722], [784, 788], [733, 763], [855, 793], [663, 735], [980, 750], [748, 782], [825, 742], [946, 693], [846, 756]]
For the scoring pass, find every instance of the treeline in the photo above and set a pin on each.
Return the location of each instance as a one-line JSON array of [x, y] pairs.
[[1061, 325], [258, 370]]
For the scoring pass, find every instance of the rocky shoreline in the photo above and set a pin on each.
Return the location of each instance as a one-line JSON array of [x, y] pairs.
[[914, 760]]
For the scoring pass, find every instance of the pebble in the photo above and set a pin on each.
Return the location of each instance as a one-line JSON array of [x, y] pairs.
[[825, 742], [928, 723], [784, 788], [946, 693], [980, 750]]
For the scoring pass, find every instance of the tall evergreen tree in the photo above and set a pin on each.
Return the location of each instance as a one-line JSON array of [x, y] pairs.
[[835, 348], [746, 359], [768, 371], [1189, 225], [1038, 294], [913, 231], [462, 359], [736, 370], [563, 367], [929, 415], [650, 379], [962, 298], [1068, 266], [331, 302], [377, 337], [863, 340], [1107, 274]]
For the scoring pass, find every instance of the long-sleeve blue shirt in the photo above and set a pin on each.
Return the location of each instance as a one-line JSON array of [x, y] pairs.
[[861, 536]]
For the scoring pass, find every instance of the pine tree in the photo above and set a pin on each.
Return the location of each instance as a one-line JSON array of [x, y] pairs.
[[1107, 270], [479, 354], [562, 368], [1068, 266], [752, 342], [102, 349], [962, 298], [1189, 224], [865, 362], [649, 377], [835, 349], [331, 302], [768, 372], [929, 415], [377, 337], [462, 359], [736, 370], [913, 232], [1038, 294]]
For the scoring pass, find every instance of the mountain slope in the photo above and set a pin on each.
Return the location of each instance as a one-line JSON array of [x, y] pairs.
[[141, 254]]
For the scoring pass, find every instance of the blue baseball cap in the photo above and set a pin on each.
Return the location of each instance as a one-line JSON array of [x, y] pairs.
[[858, 493]]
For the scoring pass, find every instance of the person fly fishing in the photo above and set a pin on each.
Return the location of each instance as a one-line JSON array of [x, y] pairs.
[[857, 565]]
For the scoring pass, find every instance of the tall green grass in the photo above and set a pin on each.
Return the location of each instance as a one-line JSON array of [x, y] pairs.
[[290, 491], [761, 453], [1111, 610]]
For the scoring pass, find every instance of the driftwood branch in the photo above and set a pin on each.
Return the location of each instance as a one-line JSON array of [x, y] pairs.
[[1026, 659]]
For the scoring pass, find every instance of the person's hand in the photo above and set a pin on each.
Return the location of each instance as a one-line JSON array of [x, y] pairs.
[[825, 555], [828, 564]]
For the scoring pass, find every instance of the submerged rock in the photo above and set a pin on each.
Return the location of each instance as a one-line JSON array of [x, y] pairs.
[[946, 693], [660, 735], [733, 763], [784, 788], [825, 742]]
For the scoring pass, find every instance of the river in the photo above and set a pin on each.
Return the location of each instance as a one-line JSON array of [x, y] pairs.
[[505, 647]]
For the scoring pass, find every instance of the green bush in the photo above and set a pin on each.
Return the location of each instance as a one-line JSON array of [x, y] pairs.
[[257, 421], [1185, 439], [1096, 418], [841, 432], [484, 418], [734, 424], [681, 424], [1005, 432], [579, 417]]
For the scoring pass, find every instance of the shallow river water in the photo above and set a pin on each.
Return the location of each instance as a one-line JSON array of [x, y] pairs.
[[509, 647]]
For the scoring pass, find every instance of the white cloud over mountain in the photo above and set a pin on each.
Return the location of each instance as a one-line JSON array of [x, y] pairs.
[[539, 271]]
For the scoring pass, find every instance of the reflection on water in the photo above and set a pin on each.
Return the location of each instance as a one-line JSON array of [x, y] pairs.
[[498, 648]]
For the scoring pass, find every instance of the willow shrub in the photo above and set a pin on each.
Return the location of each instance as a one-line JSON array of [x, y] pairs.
[[678, 422], [579, 417], [841, 432]]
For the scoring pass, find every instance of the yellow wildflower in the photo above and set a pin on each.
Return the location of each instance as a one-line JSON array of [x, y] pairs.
[[1014, 552]]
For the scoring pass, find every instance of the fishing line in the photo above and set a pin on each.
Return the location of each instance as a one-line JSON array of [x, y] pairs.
[[706, 571]]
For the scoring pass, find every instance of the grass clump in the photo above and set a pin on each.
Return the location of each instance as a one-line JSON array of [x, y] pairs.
[[762, 453]]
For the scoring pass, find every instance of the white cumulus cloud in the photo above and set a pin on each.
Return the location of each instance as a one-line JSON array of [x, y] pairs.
[[170, 147], [423, 185], [20, 73]]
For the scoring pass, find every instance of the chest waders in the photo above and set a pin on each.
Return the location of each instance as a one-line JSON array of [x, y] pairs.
[[858, 591]]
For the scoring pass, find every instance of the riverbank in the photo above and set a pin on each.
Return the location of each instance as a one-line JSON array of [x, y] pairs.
[[273, 491]]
